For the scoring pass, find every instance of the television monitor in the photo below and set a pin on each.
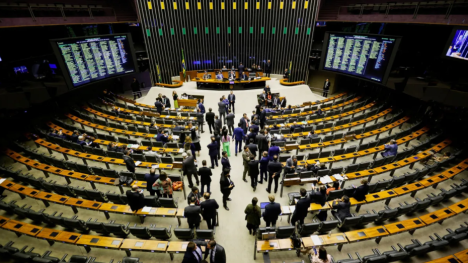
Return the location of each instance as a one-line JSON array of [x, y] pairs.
[[363, 56], [85, 60], [20, 70], [457, 45]]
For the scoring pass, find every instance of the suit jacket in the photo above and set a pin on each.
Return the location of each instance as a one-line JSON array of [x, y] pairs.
[[232, 97], [253, 149], [159, 106], [244, 77], [162, 138], [166, 102], [251, 135], [253, 168], [241, 69], [188, 166], [192, 213], [221, 107], [262, 116], [239, 134], [230, 119], [274, 167], [289, 164], [262, 142], [326, 85], [220, 254], [197, 196], [274, 150], [301, 207], [201, 107], [244, 124], [275, 101], [213, 149], [225, 163], [189, 257], [200, 117], [208, 208], [224, 184], [150, 179], [135, 200], [342, 210], [268, 67], [232, 75], [283, 103], [218, 124], [210, 117], [129, 163], [361, 192], [272, 211], [205, 175], [264, 163]]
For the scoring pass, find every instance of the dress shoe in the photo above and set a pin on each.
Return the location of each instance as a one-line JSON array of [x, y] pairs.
[[229, 199], [268, 191], [227, 208], [244, 180], [198, 183], [255, 188], [236, 154], [260, 182]]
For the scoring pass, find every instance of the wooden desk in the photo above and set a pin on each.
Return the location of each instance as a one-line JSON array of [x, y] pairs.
[[437, 216], [50, 197], [3, 220], [447, 259], [332, 240], [6, 183], [53, 235], [459, 207], [268, 246], [462, 255], [89, 241], [367, 233], [409, 188], [187, 103], [158, 212], [82, 203], [407, 225], [379, 196], [433, 180], [155, 246], [107, 208], [23, 191], [21, 228]]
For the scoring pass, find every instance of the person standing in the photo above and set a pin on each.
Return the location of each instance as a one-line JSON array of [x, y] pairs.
[[217, 137], [201, 106], [193, 253], [274, 150], [226, 186], [253, 172], [166, 102], [225, 161], [244, 121], [189, 169], [196, 194], [301, 210], [159, 106], [252, 216], [208, 208], [326, 87], [262, 118], [238, 136], [240, 68], [135, 88], [232, 101], [213, 152], [210, 119], [150, 180], [262, 142], [230, 122], [218, 124], [216, 252], [246, 158], [272, 212], [164, 185], [205, 177], [192, 213], [252, 146], [286, 74], [175, 97], [222, 110], [268, 68], [136, 199], [264, 167], [274, 172], [226, 140], [200, 119], [129, 162]]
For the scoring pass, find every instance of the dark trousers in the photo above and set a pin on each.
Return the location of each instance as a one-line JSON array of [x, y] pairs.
[[271, 223], [263, 175], [239, 146], [166, 195], [262, 124], [219, 152], [222, 116], [189, 178], [211, 126], [325, 93], [270, 181], [231, 106], [226, 197], [267, 74], [207, 188], [253, 181], [192, 225], [152, 192], [135, 94], [295, 218], [214, 160], [200, 127], [231, 129], [211, 222]]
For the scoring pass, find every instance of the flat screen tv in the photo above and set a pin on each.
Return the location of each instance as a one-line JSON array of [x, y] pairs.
[[363, 56], [85, 60], [457, 45]]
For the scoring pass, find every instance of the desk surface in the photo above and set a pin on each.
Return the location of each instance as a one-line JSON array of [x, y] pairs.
[[462, 255], [447, 259], [99, 241], [227, 81], [379, 196], [366, 233], [459, 207], [22, 228], [158, 211], [333, 239], [406, 225], [145, 245], [437, 216], [116, 208]]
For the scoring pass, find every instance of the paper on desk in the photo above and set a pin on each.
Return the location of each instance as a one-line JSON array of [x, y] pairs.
[[292, 208], [175, 137], [316, 240], [155, 166], [326, 180], [181, 150], [137, 163], [278, 136], [338, 177], [281, 125], [167, 116], [146, 209], [2, 180]]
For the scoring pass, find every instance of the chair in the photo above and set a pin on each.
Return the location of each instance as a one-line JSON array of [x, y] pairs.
[[184, 233], [168, 202], [117, 229], [97, 195], [352, 168], [140, 232], [332, 195], [110, 173], [336, 170], [139, 157], [349, 222], [152, 201], [114, 198], [313, 156], [74, 223], [284, 231], [385, 215], [309, 228], [328, 225], [160, 232], [97, 227], [368, 218], [205, 234], [324, 172]]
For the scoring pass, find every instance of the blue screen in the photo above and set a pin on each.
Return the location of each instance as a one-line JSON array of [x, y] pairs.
[[459, 46], [20, 69]]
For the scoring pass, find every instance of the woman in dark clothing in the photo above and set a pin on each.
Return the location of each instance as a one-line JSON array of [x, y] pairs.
[[252, 216], [195, 139]]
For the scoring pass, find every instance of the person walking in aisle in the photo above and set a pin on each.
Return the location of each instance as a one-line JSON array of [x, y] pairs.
[[274, 173], [326, 87], [222, 110], [129, 162], [210, 119], [192, 213], [189, 169], [226, 140], [230, 122], [301, 210], [264, 168], [239, 135], [252, 216], [213, 152], [225, 161], [246, 158], [208, 208], [205, 177], [164, 185], [226, 185], [232, 101], [272, 212], [253, 172], [175, 97], [200, 119]]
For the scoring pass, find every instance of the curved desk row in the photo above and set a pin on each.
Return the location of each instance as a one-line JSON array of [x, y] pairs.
[[231, 84]]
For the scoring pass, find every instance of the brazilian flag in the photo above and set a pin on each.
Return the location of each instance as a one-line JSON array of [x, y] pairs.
[[159, 73], [290, 72], [183, 63]]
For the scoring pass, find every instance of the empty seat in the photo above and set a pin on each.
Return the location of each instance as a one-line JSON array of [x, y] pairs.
[[184, 233], [205, 234], [168, 202], [117, 229], [161, 232], [309, 228], [284, 231], [74, 223], [96, 195]]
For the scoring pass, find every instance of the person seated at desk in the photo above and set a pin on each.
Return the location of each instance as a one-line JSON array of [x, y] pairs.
[[112, 147], [184, 95], [319, 111], [258, 67], [274, 129], [224, 68], [391, 149], [206, 75], [269, 99], [286, 74], [244, 76], [162, 137], [153, 128], [361, 191], [232, 75], [136, 199], [294, 126], [312, 135], [316, 167], [342, 208], [233, 68], [288, 110], [333, 186], [254, 66], [431, 160], [291, 165], [219, 76], [319, 196], [267, 89]]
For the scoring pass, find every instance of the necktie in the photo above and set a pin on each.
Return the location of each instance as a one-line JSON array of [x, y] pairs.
[[246, 123], [212, 256]]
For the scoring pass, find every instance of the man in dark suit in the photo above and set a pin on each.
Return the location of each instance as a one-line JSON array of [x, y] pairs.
[[226, 186], [268, 69], [326, 87], [213, 152], [264, 167], [262, 118], [283, 102], [193, 254], [252, 147], [225, 161], [196, 194], [232, 101], [361, 191], [218, 124], [230, 122], [295, 126], [159, 106], [274, 172], [200, 118], [208, 208], [286, 74], [150, 180], [205, 177], [192, 213], [240, 68], [244, 121], [253, 172], [238, 136], [244, 76], [262, 143], [162, 137], [274, 150], [136, 199], [232, 75], [302, 206], [222, 109], [215, 252], [342, 208], [129, 162], [166, 102], [210, 119], [189, 169], [272, 211]]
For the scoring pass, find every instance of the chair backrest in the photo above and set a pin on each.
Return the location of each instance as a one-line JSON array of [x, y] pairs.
[[140, 232], [323, 172], [205, 234], [183, 233], [166, 160], [160, 233], [284, 231], [116, 229], [75, 224], [309, 228], [167, 202], [332, 195], [328, 225], [352, 168], [152, 201], [114, 198], [97, 195], [351, 221]]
